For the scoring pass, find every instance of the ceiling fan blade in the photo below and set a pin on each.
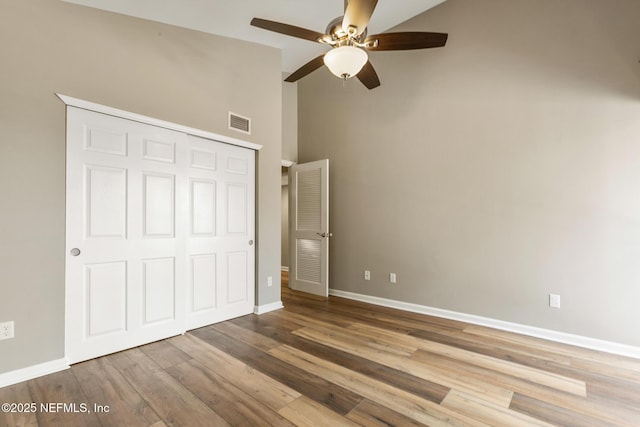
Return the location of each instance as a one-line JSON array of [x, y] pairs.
[[307, 68], [368, 76], [286, 29], [358, 14], [407, 40]]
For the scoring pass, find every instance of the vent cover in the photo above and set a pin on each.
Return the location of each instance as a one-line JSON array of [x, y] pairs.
[[239, 123]]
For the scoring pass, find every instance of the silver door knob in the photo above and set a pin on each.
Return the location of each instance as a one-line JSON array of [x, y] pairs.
[[325, 234], [75, 252], [250, 242]]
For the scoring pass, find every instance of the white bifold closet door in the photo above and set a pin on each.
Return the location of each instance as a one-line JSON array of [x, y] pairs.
[[221, 232], [159, 233]]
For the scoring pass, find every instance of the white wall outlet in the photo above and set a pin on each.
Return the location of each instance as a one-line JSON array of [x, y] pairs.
[[367, 275], [554, 301], [392, 277], [6, 330], [269, 281]]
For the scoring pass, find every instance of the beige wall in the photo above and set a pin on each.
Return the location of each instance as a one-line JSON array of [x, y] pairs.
[[284, 242], [290, 153], [289, 120], [148, 68], [494, 171]]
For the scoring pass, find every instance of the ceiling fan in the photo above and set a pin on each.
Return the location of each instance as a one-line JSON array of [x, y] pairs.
[[347, 36]]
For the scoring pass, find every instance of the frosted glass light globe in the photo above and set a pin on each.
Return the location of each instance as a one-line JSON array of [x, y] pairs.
[[345, 61]]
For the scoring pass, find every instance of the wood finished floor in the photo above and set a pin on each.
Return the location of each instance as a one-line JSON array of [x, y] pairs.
[[338, 362]]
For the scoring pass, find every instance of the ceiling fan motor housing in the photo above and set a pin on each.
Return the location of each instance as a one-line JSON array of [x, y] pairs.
[[339, 36]]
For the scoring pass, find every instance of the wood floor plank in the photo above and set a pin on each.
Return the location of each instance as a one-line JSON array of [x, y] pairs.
[[268, 326], [452, 331], [572, 403], [349, 315], [610, 384], [341, 319], [467, 372], [558, 415], [388, 318], [62, 389], [507, 355], [261, 387], [235, 406], [303, 320], [494, 347], [492, 393], [488, 413], [370, 414], [575, 353], [279, 320], [17, 394], [550, 379], [334, 397], [607, 382], [305, 412], [376, 343], [104, 385], [255, 340], [619, 368], [430, 327], [175, 404], [410, 405], [165, 354], [614, 391]]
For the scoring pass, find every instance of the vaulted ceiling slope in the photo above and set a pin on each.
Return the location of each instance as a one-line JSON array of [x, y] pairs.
[[231, 18]]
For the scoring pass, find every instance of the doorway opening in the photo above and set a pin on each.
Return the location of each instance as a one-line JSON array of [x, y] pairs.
[[284, 254]]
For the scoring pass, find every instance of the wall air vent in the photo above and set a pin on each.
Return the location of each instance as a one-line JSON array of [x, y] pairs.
[[239, 123]]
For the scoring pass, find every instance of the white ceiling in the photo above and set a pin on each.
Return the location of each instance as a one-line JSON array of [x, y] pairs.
[[231, 19]]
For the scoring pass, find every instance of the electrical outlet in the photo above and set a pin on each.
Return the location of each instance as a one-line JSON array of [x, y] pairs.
[[6, 330], [367, 275], [392, 277], [269, 281], [554, 301]]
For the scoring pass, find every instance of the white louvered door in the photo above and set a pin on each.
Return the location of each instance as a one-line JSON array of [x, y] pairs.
[[309, 227]]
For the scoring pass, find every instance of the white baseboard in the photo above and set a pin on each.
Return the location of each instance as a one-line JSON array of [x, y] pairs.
[[283, 268], [548, 334], [266, 308], [31, 372]]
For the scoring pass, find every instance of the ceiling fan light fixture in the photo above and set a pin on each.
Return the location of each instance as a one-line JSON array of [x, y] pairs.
[[345, 61]]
